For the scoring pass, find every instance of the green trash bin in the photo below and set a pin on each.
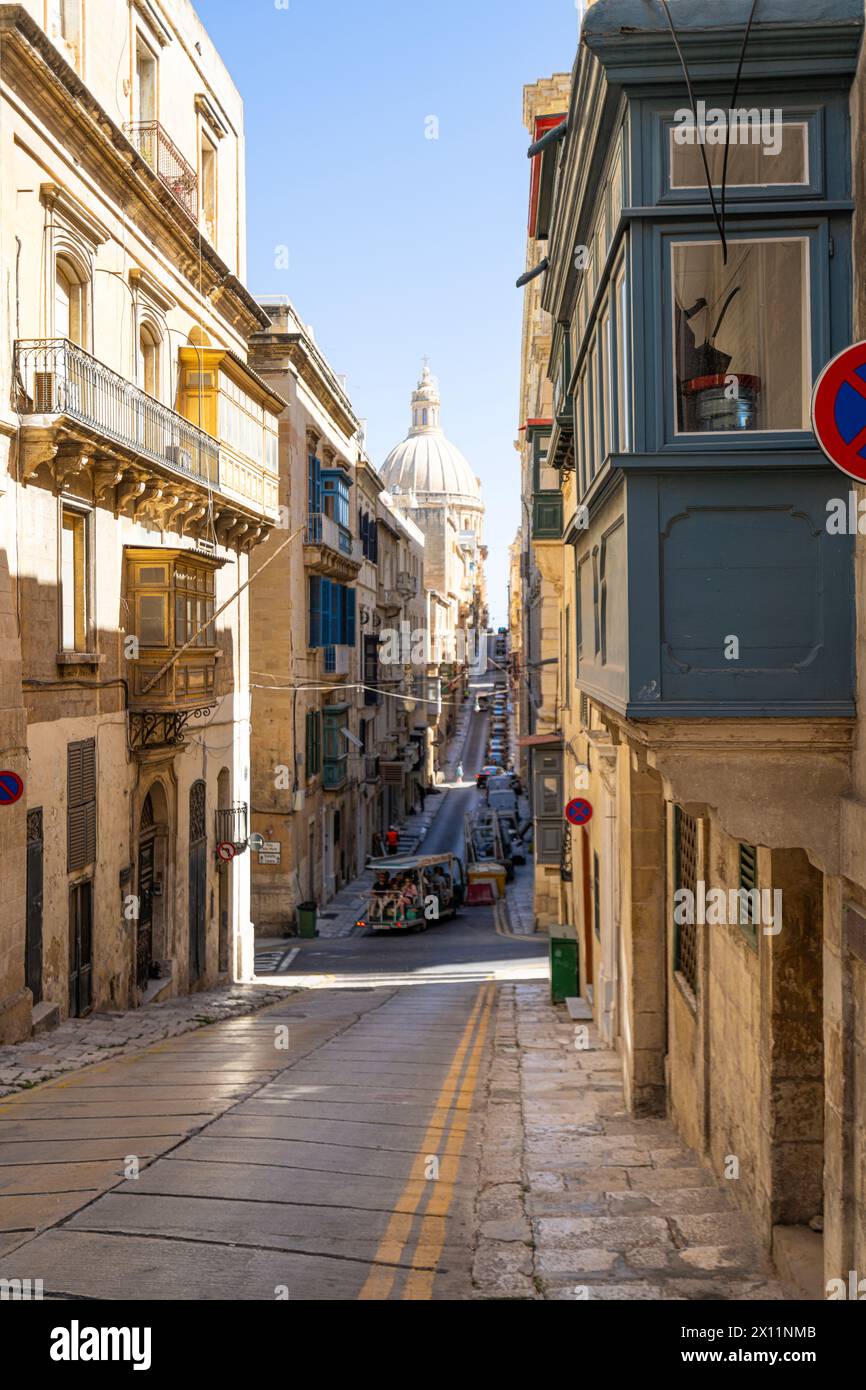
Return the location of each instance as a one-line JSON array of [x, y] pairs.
[[564, 964], [307, 919]]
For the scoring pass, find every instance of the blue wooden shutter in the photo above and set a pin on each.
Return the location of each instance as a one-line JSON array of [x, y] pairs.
[[350, 617], [315, 611], [336, 623]]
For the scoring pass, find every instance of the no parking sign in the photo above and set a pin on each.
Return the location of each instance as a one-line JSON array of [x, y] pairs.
[[839, 411], [578, 811], [11, 788]]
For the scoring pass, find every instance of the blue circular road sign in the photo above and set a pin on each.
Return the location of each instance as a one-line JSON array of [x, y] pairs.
[[579, 811], [11, 788]]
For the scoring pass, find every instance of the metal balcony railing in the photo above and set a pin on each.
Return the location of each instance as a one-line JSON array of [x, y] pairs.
[[232, 824], [407, 584], [324, 530], [56, 377], [336, 661], [159, 151]]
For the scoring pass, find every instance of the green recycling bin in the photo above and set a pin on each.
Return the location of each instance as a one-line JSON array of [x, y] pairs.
[[564, 964], [307, 919]]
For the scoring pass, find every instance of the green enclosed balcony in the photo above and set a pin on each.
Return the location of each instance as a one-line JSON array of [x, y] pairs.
[[547, 516]]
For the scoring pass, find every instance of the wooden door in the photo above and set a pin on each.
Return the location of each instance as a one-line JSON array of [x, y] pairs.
[[81, 950], [33, 945]]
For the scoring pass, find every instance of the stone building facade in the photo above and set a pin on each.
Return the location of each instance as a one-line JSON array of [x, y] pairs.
[[707, 661], [537, 623], [137, 474], [432, 484], [334, 757]]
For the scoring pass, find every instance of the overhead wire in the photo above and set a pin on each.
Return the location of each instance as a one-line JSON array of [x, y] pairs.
[[718, 209]]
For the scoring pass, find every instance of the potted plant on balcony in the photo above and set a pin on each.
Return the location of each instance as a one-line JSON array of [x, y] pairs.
[[712, 397]]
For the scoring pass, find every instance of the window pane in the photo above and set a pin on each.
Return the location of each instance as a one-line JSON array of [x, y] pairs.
[[741, 337], [778, 154], [74, 582], [151, 620], [151, 574]]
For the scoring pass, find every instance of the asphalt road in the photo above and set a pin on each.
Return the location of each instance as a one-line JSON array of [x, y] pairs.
[[324, 1149]]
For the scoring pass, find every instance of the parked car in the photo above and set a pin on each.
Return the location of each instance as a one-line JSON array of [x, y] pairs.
[[490, 770]]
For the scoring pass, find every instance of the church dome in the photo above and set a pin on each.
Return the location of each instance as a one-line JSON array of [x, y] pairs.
[[426, 462]]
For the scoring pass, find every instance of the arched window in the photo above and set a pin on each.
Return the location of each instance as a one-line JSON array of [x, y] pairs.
[[424, 417], [149, 348], [70, 302]]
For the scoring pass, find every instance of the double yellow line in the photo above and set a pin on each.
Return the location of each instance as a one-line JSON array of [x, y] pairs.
[[419, 1284]]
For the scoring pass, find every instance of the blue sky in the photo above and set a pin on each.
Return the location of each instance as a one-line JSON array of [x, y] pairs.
[[400, 245]]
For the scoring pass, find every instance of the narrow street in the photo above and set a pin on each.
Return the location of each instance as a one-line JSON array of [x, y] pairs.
[[325, 1148], [411, 1121]]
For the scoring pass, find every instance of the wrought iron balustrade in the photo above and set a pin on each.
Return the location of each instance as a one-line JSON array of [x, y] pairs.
[[157, 149], [324, 530], [232, 824], [56, 377]]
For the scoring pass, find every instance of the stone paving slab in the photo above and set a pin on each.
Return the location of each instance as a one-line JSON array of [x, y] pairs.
[[592, 1202], [339, 1231], [79, 1042]]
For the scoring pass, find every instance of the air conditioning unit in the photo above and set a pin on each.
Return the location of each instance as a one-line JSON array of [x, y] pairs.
[[181, 458]]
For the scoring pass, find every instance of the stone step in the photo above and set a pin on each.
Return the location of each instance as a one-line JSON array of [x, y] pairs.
[[45, 1018]]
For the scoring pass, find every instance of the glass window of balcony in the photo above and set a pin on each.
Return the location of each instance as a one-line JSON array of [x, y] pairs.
[[335, 746], [241, 420], [545, 478], [171, 597], [335, 495], [775, 154], [741, 335], [623, 361]]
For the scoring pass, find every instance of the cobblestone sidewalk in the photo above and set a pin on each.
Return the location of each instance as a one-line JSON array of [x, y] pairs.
[[81, 1041], [598, 1204]]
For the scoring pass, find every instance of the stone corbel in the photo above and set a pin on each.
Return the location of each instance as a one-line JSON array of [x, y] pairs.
[[184, 507], [234, 532], [146, 503], [128, 492], [37, 453], [105, 479], [67, 467], [192, 518], [256, 534], [164, 508]]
